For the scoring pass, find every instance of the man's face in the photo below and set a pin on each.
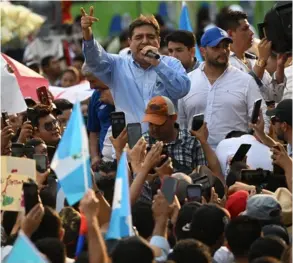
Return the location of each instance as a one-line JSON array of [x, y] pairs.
[[143, 36], [217, 56], [160, 132], [242, 36], [64, 117], [68, 79], [95, 82], [49, 130], [182, 53], [41, 149], [54, 67], [15, 122], [280, 129]]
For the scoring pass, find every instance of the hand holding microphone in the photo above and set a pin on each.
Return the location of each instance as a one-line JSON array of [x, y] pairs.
[[151, 55]]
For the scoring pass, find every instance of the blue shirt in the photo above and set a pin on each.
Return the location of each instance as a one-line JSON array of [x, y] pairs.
[[131, 86], [99, 119]]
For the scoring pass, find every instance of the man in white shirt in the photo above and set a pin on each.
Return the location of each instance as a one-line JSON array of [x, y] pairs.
[[238, 28], [228, 147], [222, 92]]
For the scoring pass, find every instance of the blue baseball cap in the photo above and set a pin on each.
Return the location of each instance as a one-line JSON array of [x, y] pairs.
[[214, 36]]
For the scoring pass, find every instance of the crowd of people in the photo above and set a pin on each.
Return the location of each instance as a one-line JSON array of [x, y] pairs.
[[243, 213]]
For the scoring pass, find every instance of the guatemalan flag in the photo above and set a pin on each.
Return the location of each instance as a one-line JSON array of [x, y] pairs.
[[121, 220], [71, 161], [185, 24], [24, 251]]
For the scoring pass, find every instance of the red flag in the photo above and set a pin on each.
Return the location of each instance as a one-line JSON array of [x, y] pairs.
[[28, 80]]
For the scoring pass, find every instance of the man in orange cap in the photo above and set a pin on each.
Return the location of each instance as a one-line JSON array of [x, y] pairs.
[[184, 149]]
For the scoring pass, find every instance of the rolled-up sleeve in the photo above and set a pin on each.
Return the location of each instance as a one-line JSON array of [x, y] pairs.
[[162, 243], [173, 74]]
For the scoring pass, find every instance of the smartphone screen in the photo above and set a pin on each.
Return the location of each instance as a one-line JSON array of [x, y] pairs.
[[17, 150], [255, 112], [197, 121], [118, 123], [30, 193], [43, 95], [41, 162], [194, 192], [4, 118], [134, 133], [241, 153], [169, 188]]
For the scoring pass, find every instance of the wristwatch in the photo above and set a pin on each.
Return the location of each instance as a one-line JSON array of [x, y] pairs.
[[261, 63]]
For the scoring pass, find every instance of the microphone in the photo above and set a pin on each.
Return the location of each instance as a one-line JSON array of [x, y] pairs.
[[152, 54]]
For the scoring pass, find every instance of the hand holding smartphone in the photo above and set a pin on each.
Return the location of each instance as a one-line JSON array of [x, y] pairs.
[[276, 168]]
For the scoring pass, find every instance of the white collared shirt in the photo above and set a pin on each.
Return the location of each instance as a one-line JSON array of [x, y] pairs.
[[227, 104], [258, 156], [271, 90]]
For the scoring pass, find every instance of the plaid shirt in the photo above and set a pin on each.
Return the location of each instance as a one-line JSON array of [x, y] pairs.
[[186, 151]]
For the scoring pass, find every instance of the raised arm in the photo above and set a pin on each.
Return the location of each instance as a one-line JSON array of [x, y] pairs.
[[97, 59]]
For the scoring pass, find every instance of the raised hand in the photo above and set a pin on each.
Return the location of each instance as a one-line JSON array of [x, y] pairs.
[[87, 20]]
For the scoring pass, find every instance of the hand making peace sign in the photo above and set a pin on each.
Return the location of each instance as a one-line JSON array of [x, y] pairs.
[[87, 20]]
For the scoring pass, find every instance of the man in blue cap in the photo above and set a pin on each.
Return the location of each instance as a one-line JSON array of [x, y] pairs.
[[223, 93]]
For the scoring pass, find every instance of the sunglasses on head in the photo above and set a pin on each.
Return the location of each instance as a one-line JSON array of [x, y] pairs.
[[49, 126]]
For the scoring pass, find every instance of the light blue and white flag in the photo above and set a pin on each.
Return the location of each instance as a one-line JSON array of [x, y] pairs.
[[71, 161], [24, 251], [185, 24], [121, 219]]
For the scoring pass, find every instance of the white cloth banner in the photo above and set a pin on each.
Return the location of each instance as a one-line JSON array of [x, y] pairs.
[[75, 93], [12, 100]]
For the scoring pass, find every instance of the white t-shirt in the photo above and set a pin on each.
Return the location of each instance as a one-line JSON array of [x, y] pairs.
[[258, 156], [108, 151]]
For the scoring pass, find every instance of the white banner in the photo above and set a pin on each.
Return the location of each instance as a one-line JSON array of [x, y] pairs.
[[75, 93], [12, 100]]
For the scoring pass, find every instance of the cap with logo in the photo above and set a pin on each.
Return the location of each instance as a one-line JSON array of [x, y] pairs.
[[283, 111], [158, 110], [214, 36]]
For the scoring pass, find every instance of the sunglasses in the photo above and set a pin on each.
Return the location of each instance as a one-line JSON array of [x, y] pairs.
[[49, 126]]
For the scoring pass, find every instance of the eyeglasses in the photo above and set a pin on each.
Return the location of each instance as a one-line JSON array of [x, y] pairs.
[[49, 126]]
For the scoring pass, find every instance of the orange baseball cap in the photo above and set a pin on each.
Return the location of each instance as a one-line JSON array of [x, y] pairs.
[[158, 110]]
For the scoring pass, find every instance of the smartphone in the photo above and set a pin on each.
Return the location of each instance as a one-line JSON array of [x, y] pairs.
[[241, 153], [254, 177], [41, 162], [276, 168], [31, 196], [4, 118], [133, 133], [261, 30], [118, 123], [51, 152], [43, 96], [197, 121], [31, 116], [29, 151], [17, 149], [169, 188], [194, 192], [255, 112]]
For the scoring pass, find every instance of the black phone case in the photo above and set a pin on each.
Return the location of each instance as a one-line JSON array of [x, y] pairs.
[[241, 152], [118, 123]]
